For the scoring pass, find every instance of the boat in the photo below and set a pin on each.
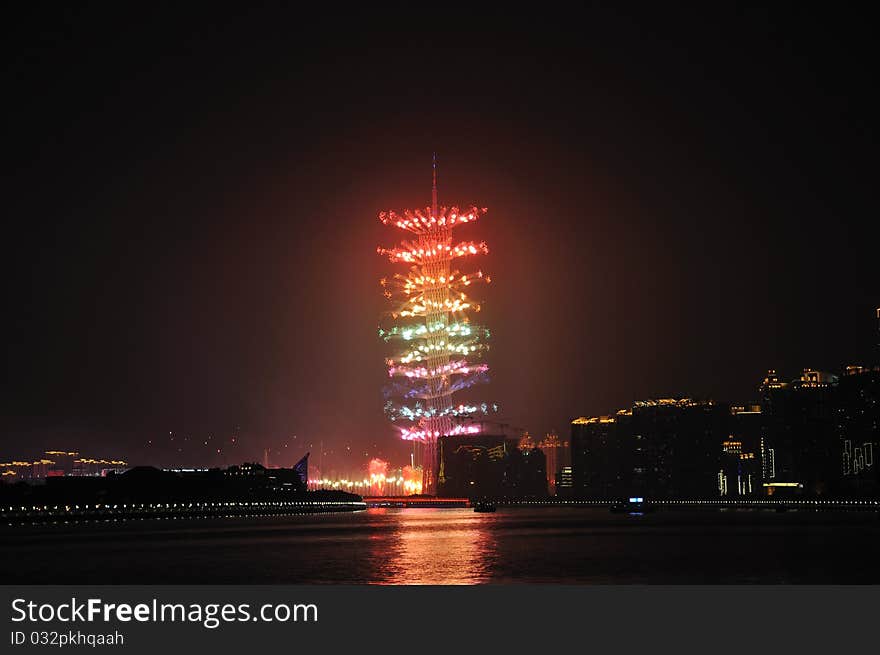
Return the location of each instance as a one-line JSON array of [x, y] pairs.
[[482, 506], [632, 505]]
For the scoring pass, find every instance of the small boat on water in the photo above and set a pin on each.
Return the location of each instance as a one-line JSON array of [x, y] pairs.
[[482, 506], [632, 505]]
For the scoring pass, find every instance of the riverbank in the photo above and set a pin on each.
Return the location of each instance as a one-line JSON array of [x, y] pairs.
[[55, 514]]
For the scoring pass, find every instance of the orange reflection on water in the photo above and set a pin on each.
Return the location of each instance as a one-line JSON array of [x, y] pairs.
[[436, 546]]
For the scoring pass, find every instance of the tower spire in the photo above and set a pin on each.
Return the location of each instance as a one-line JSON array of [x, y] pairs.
[[434, 187], [448, 357]]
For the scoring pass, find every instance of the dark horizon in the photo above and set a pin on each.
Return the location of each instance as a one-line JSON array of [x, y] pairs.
[[677, 202]]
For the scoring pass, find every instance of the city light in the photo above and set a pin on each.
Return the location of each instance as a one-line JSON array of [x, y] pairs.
[[380, 479]]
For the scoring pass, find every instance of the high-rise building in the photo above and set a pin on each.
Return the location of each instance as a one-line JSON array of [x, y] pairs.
[[599, 456], [740, 472], [63, 460], [564, 483], [747, 426], [659, 448], [485, 465], [439, 351], [857, 424], [798, 427]]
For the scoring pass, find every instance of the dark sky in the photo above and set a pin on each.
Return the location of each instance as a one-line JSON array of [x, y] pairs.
[[677, 201]]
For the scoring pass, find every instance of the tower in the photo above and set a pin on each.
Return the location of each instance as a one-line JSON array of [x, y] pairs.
[[438, 351]]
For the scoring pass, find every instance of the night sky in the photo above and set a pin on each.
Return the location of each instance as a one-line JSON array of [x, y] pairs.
[[677, 202]]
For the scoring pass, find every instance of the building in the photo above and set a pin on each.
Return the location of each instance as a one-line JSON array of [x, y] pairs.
[[798, 421], [740, 472], [658, 448], [857, 426], [484, 465], [437, 351], [676, 441], [820, 433], [89, 467], [554, 450], [17, 470], [64, 460], [564, 484], [747, 426], [597, 456], [526, 475], [60, 463]]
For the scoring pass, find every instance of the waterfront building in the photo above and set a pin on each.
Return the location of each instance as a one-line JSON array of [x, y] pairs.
[[64, 461], [798, 426], [857, 426], [485, 465], [598, 456], [658, 448], [564, 483], [740, 472]]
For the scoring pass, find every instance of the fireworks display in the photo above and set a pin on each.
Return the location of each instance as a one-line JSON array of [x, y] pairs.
[[438, 350], [412, 480], [378, 470]]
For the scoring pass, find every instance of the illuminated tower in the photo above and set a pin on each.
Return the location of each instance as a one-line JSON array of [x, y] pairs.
[[550, 447], [439, 350]]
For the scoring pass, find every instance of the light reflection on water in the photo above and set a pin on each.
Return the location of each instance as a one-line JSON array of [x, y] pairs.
[[453, 546], [431, 546]]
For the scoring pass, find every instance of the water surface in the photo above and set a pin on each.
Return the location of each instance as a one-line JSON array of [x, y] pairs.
[[454, 546]]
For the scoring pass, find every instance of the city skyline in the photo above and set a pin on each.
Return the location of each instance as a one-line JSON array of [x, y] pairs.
[[497, 313], [354, 468], [674, 219], [232, 449]]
